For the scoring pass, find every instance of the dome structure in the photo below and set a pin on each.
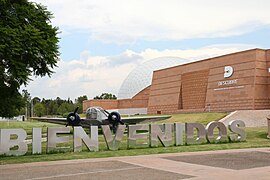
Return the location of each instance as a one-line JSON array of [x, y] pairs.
[[141, 76]]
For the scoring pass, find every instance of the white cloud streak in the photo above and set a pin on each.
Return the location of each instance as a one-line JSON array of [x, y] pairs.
[[128, 21], [92, 75], [125, 22]]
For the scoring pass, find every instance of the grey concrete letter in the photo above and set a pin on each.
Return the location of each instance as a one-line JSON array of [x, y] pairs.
[[53, 139], [113, 142], [179, 133], [234, 126], [133, 136], [190, 133], [80, 135], [6, 142], [162, 132], [222, 137], [36, 141]]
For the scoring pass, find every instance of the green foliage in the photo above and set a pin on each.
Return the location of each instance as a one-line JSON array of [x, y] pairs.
[[28, 46], [39, 109], [10, 107], [53, 107], [79, 103], [65, 108], [80, 99], [43, 107], [36, 100], [106, 96], [203, 118]]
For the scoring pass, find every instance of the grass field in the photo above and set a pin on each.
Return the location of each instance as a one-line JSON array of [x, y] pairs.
[[203, 118], [256, 137], [27, 125]]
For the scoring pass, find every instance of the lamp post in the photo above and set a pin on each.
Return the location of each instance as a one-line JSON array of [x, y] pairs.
[[32, 108], [26, 110]]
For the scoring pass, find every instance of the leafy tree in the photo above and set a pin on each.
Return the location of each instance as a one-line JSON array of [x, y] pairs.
[[79, 102], [39, 109], [59, 101], [52, 107], [10, 107], [65, 108], [28, 46], [36, 100], [26, 99], [106, 96], [80, 99]]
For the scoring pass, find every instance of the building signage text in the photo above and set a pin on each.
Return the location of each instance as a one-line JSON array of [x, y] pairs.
[[228, 82], [140, 135]]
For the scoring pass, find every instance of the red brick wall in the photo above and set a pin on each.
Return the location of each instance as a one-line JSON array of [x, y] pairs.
[[140, 100], [194, 86], [244, 71], [261, 100], [165, 91], [176, 89], [105, 104]]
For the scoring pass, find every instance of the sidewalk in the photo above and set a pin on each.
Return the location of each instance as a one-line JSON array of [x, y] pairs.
[[224, 164]]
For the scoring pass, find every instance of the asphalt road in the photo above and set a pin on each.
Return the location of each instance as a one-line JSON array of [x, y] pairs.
[[225, 164]]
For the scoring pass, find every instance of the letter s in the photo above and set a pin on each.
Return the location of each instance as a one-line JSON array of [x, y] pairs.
[[234, 126]]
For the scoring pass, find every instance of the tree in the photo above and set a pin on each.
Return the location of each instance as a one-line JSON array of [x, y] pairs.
[[10, 107], [36, 100], [79, 103], [106, 96], [28, 46], [59, 101], [52, 107], [65, 108], [39, 109], [27, 102]]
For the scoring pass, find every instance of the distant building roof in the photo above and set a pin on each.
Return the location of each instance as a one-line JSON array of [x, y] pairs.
[[141, 76]]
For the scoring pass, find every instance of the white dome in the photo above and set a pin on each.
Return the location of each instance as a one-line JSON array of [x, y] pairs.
[[141, 76]]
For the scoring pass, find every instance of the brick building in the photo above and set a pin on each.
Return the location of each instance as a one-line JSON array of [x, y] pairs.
[[230, 82]]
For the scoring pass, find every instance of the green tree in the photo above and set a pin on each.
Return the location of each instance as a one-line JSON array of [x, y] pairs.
[[27, 102], [28, 46], [52, 107], [59, 101], [106, 96], [65, 108], [36, 100], [39, 109], [10, 107], [79, 103]]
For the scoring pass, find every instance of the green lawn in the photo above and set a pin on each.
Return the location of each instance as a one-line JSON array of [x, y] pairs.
[[256, 137], [27, 125], [203, 118]]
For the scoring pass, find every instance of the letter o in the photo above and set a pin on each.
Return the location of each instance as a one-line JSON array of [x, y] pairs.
[[222, 137]]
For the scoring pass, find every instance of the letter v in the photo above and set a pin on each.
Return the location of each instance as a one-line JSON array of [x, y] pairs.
[[113, 142]]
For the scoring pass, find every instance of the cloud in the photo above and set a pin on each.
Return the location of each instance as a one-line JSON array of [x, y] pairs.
[[93, 75], [90, 75], [128, 21], [197, 54]]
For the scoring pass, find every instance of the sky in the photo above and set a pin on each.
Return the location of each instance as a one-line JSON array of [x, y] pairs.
[[102, 41]]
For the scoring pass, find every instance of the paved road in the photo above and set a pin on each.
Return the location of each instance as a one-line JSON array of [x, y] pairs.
[[226, 164]]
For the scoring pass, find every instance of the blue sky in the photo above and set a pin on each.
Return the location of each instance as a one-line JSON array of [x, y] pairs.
[[101, 41], [258, 38]]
